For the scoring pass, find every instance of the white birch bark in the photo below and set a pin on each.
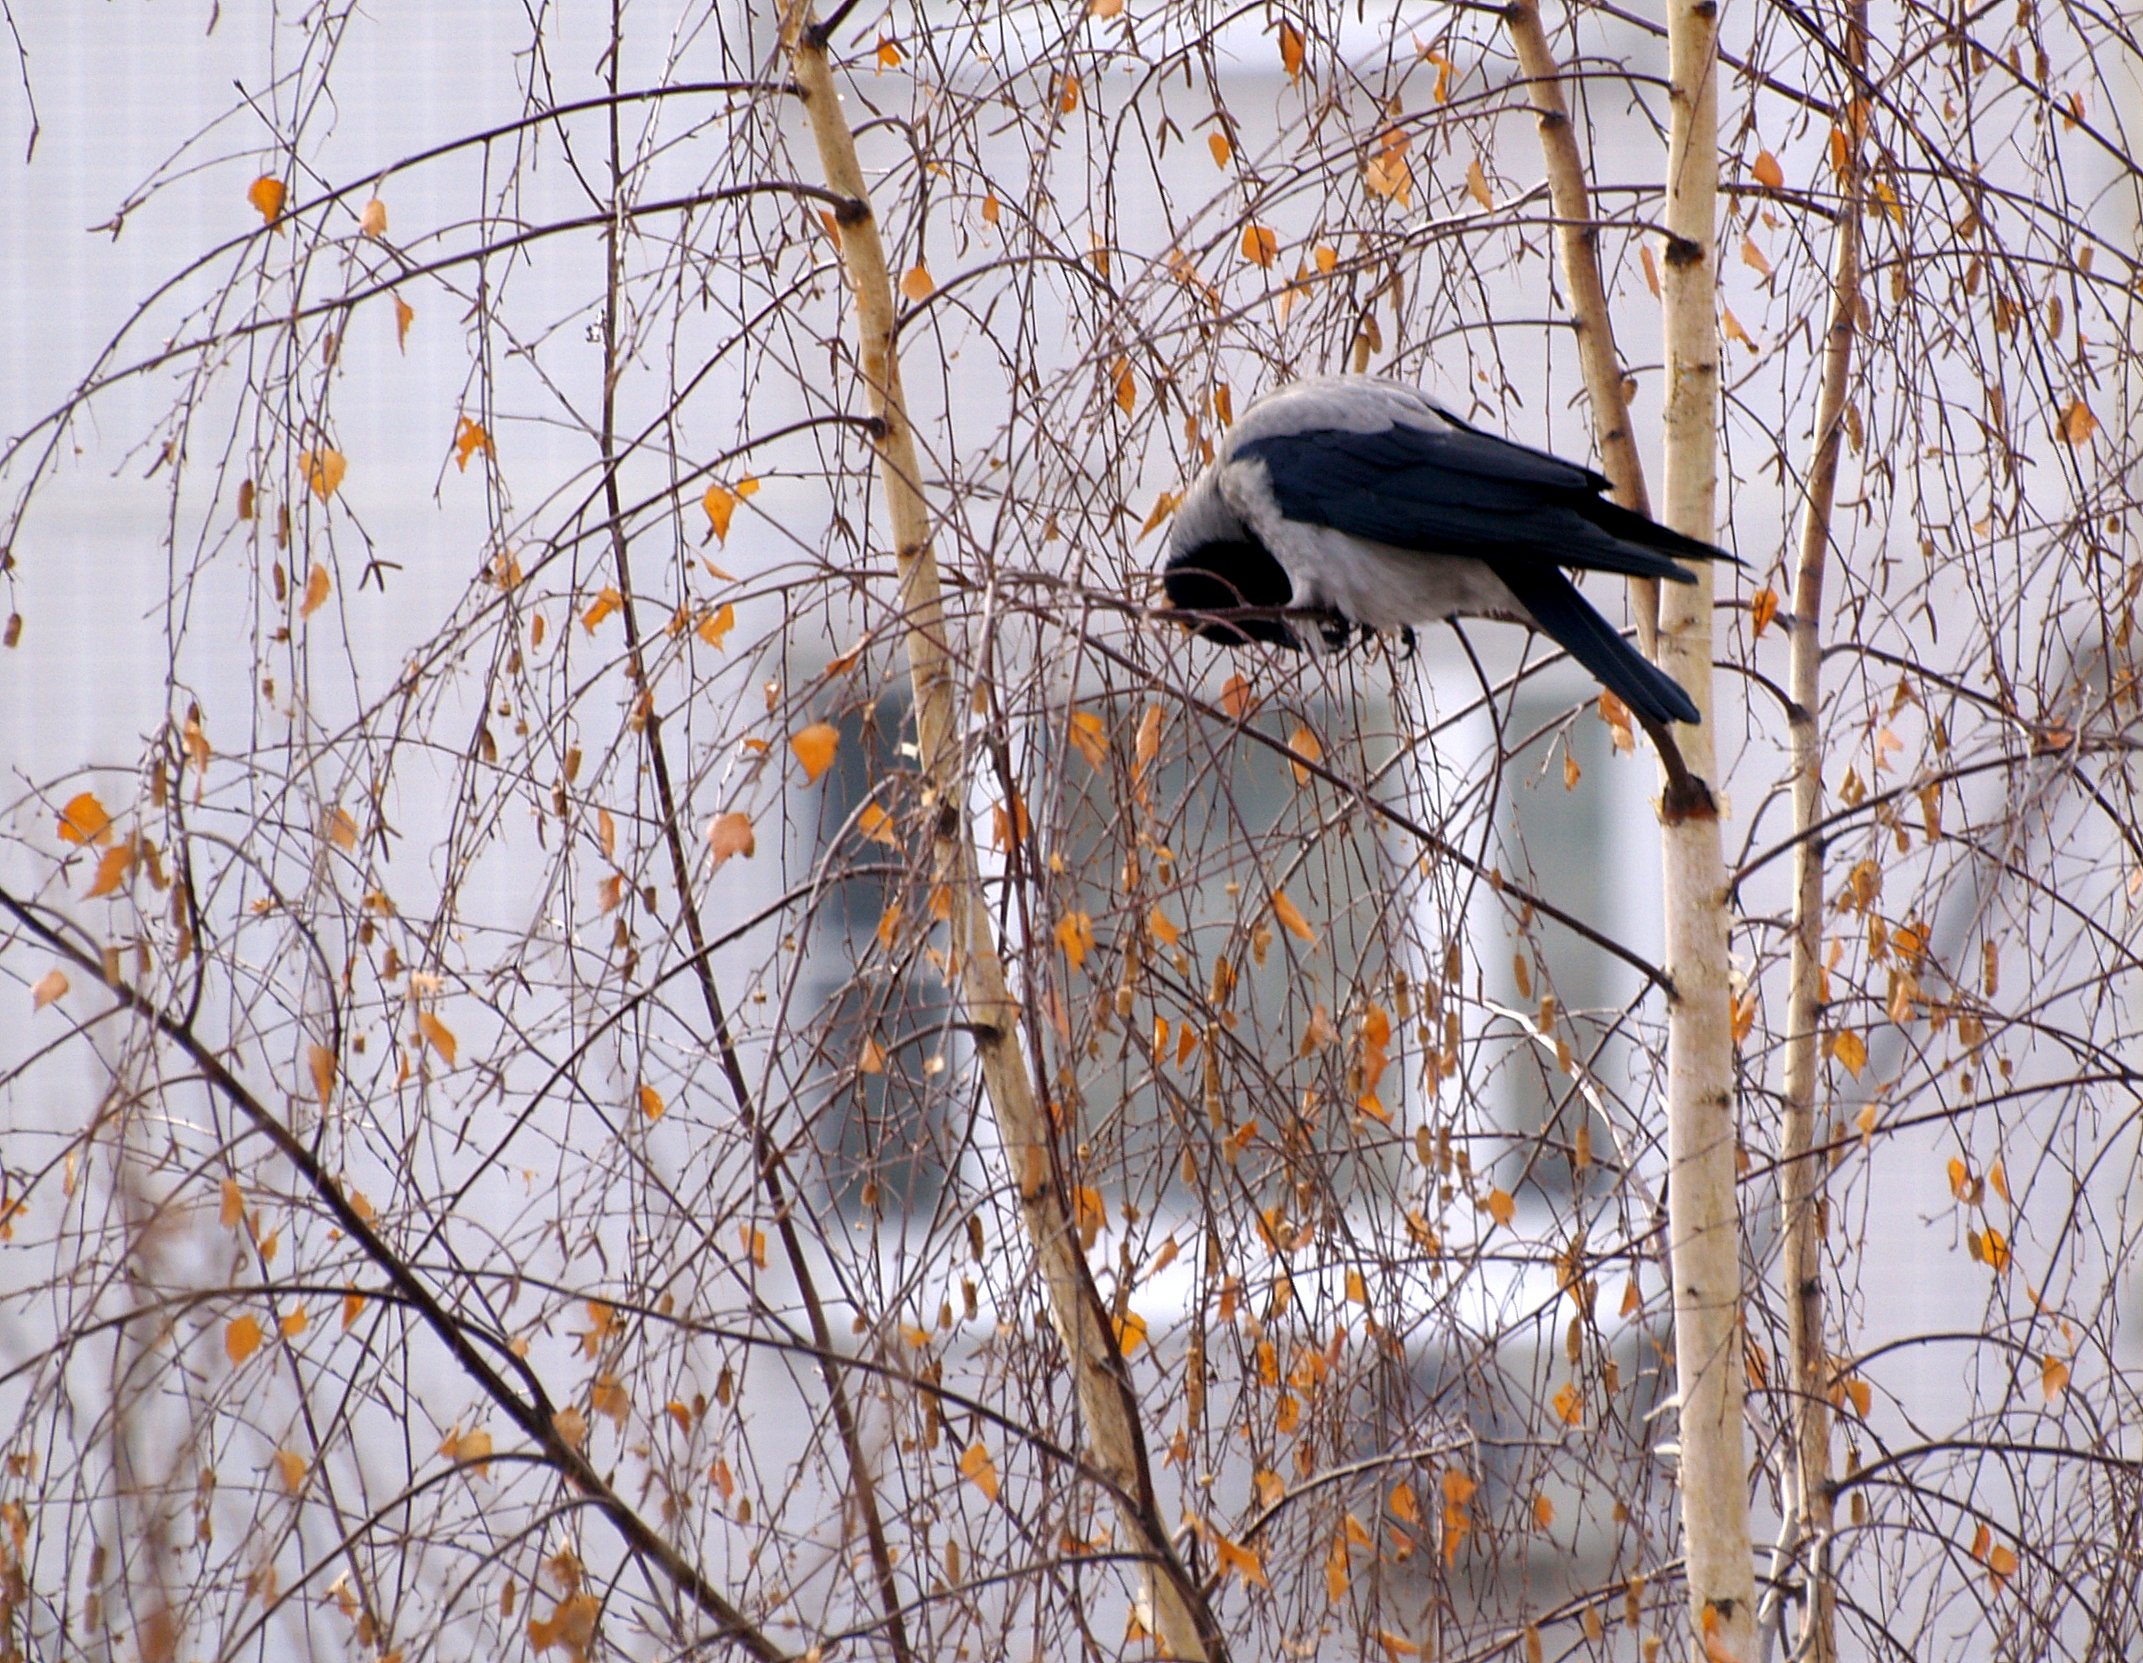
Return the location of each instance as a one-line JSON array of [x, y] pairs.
[[1703, 1220]]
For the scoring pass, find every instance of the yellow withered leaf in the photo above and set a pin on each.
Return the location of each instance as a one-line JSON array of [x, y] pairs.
[[372, 222], [978, 1469], [323, 470], [1290, 917]]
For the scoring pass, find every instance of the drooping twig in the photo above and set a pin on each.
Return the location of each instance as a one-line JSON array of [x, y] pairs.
[[1801, 1173]]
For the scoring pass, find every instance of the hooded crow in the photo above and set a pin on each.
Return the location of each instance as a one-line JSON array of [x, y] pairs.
[[1359, 500]]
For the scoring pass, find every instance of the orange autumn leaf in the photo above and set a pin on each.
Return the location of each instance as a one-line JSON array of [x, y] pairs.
[[978, 1469], [1768, 173], [1763, 607], [1126, 385], [2078, 424], [438, 1036], [1162, 927], [877, 825], [1290, 50], [1338, 1573], [1222, 150], [1501, 1206], [404, 315], [1068, 94], [323, 470], [1238, 1560], [1261, 244], [318, 586], [731, 834], [607, 600], [2001, 1565], [608, 1396], [721, 504], [50, 986], [320, 1063], [1130, 1332], [1569, 1404], [916, 283], [815, 747], [470, 437], [889, 54], [241, 1338], [290, 1467], [1090, 737], [651, 1103], [571, 1624], [85, 820], [1146, 743], [266, 194], [1075, 934], [1235, 697], [1477, 184], [1850, 1050], [1290, 917], [2053, 1377], [1306, 750], [372, 222], [112, 869], [717, 624], [231, 1204]]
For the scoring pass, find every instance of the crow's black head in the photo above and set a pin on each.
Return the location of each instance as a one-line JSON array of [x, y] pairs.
[[1225, 577]]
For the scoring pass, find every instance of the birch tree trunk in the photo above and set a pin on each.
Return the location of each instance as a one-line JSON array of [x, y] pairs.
[[1801, 1168], [1703, 1224], [1174, 1605]]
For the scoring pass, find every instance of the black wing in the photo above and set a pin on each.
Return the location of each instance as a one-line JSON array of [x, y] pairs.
[[1465, 492]]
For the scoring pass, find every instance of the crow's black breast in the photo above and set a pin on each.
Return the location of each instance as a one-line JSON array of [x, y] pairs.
[[1226, 577]]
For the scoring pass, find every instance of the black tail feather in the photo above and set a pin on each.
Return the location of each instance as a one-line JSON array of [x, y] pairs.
[[1559, 611]]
